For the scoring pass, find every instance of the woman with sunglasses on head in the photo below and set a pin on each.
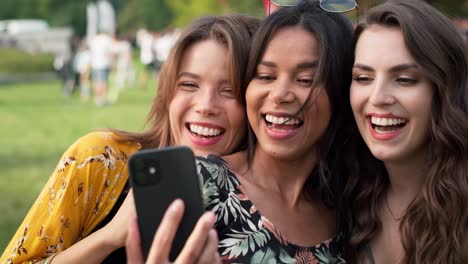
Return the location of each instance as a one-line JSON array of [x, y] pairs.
[[82, 212], [275, 202], [409, 96]]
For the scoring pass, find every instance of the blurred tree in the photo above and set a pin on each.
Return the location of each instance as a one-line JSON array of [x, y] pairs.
[[152, 14], [68, 13], [451, 7], [250, 7], [56, 12], [187, 10], [158, 14]]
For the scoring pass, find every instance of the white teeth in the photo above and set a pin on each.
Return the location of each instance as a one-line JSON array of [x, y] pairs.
[[281, 120], [204, 131], [382, 121]]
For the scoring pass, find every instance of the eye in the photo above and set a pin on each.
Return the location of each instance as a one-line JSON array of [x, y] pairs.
[[228, 92], [306, 82], [188, 86], [362, 78], [265, 77], [406, 81]]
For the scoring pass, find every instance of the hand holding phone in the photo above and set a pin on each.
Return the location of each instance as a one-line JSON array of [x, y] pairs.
[[158, 177], [201, 246]]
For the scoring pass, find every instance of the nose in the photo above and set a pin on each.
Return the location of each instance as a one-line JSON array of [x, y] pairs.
[[281, 93], [207, 103], [382, 92]]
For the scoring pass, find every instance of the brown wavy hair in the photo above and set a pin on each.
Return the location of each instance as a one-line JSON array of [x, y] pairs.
[[434, 227], [232, 31]]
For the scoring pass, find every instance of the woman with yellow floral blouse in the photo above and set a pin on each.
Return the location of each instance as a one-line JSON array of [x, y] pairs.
[[199, 104]]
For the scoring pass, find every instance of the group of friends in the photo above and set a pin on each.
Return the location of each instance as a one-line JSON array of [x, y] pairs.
[[318, 143]]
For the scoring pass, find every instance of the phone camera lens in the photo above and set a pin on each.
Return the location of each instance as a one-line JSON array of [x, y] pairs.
[[146, 171]]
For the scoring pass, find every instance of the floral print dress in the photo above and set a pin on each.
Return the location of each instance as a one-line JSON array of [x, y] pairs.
[[246, 236]]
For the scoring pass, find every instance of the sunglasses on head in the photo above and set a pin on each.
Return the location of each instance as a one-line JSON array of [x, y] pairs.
[[333, 6]]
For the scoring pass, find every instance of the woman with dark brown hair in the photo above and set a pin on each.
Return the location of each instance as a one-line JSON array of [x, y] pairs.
[[409, 94], [82, 213]]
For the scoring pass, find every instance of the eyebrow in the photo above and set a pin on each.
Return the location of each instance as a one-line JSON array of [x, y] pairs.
[[304, 65], [188, 74], [397, 68], [195, 76]]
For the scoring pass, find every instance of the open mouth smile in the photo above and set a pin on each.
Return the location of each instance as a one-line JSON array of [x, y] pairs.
[[386, 125], [203, 131], [204, 135], [283, 126], [283, 122], [386, 128]]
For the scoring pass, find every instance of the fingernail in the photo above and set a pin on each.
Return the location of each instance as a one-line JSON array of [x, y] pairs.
[[210, 216], [176, 205]]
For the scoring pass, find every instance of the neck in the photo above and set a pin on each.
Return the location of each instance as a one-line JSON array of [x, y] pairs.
[[283, 176], [406, 179]]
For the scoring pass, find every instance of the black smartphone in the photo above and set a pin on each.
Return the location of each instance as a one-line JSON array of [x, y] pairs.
[[158, 177]]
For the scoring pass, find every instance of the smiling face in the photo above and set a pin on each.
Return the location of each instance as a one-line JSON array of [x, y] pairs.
[[390, 96], [282, 84], [204, 113]]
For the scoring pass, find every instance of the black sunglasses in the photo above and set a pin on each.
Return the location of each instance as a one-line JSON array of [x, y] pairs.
[[333, 6]]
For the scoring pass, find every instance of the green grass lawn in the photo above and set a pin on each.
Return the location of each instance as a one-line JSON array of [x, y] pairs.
[[37, 125]]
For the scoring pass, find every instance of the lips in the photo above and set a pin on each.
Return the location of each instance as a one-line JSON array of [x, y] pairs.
[[204, 131], [204, 134], [386, 127], [282, 122], [281, 126]]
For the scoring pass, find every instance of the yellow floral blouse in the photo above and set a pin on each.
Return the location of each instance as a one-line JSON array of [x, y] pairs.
[[80, 193]]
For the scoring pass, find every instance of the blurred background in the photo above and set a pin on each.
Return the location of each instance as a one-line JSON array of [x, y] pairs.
[[47, 98]]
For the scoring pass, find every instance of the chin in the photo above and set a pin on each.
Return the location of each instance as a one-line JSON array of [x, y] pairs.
[[385, 156]]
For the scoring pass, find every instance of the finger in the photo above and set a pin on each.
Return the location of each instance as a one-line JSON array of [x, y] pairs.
[[210, 251], [162, 242], [133, 244], [195, 243]]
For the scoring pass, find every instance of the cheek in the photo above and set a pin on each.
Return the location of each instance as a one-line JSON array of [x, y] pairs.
[[176, 109], [354, 99], [423, 109], [236, 116], [252, 102], [358, 98], [237, 121], [249, 96], [324, 108], [418, 102]]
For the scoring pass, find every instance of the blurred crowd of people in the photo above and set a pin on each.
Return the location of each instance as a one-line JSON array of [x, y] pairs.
[[154, 50], [102, 66]]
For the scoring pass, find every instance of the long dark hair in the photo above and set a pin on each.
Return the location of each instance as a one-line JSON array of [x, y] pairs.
[[434, 227], [232, 31], [334, 34]]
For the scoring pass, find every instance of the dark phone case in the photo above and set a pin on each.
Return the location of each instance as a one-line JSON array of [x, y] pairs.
[[179, 179]]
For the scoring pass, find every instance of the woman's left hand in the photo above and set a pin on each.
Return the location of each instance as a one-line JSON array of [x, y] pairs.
[[201, 246]]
